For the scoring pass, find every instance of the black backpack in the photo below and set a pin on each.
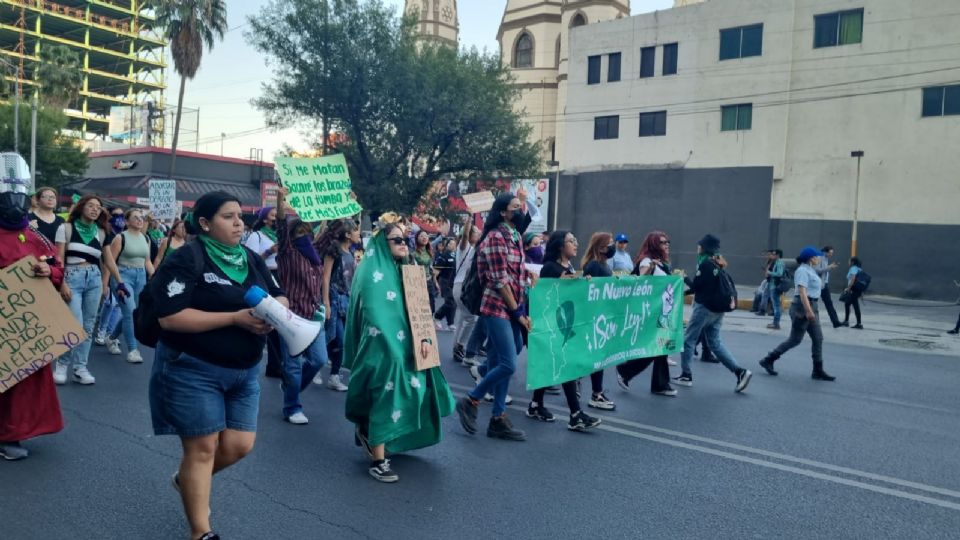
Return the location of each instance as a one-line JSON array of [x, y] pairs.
[[785, 282], [723, 298], [861, 282], [146, 324], [472, 292]]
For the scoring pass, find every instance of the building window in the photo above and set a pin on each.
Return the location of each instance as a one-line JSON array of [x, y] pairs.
[[670, 51], [613, 67], [839, 28], [578, 20], [741, 42], [556, 62], [606, 127], [593, 70], [523, 52], [653, 124], [648, 56], [736, 117], [941, 100]]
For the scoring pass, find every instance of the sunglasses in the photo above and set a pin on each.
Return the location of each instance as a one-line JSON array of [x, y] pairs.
[[397, 240], [665, 243]]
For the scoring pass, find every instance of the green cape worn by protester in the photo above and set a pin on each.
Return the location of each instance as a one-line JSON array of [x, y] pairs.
[[401, 406]]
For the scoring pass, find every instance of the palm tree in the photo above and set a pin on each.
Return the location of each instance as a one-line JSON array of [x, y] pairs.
[[188, 24], [60, 75]]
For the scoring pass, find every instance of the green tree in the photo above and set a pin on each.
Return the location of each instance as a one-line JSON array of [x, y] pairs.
[[410, 114], [59, 75], [60, 158], [188, 24]]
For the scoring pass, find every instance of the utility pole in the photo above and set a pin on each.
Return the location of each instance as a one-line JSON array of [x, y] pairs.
[[223, 137], [856, 203], [33, 138], [16, 116]]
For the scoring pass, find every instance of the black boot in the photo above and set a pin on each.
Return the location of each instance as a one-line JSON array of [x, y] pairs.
[[819, 374], [767, 364]]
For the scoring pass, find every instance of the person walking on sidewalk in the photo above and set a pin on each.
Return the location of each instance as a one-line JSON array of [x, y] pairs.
[[823, 270], [503, 312], [772, 293], [394, 407], [654, 260], [804, 315], [560, 251], [707, 318], [851, 295]]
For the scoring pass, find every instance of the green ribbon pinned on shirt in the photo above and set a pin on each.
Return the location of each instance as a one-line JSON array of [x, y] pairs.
[[231, 259]]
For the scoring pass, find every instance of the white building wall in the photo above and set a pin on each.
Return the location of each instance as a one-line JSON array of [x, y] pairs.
[[811, 107]]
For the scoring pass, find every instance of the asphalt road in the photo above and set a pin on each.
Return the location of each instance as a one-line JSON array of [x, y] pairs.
[[873, 455]]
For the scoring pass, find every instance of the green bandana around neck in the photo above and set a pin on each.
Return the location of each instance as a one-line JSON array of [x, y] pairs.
[[155, 234], [231, 259], [269, 233], [87, 231]]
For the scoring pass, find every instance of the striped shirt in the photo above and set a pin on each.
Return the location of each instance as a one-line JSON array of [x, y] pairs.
[[302, 281], [77, 251], [500, 264]]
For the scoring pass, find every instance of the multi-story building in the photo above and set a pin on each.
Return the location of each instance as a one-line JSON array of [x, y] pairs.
[[773, 124], [437, 20], [122, 59]]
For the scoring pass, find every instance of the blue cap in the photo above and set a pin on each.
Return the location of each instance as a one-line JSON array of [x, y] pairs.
[[622, 238], [254, 296], [808, 253]]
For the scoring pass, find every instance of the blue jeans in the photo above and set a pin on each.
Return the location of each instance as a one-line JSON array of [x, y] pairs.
[[772, 296], [708, 323], [135, 279], [298, 371], [335, 328], [110, 315], [86, 288], [477, 338], [505, 345]]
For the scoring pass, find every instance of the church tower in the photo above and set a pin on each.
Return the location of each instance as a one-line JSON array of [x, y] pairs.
[[438, 20], [534, 39]]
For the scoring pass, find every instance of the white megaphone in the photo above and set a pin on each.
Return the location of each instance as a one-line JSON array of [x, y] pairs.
[[297, 332]]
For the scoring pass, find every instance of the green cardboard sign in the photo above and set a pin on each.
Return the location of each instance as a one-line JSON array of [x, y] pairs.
[[319, 188], [581, 326]]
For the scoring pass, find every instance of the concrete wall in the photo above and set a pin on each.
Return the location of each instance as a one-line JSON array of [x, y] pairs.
[[732, 204]]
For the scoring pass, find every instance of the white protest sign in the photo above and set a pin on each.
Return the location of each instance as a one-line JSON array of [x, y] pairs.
[[163, 199]]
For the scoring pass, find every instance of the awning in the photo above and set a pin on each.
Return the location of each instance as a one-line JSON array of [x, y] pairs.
[[131, 188]]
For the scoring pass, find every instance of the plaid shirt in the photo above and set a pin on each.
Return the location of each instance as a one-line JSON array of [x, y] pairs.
[[500, 264]]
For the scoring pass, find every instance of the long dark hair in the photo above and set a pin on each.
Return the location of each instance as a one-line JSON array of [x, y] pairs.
[[329, 242], [494, 219], [77, 212], [416, 242], [555, 244]]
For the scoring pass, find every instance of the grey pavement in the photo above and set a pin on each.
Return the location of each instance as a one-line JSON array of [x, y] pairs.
[[873, 455]]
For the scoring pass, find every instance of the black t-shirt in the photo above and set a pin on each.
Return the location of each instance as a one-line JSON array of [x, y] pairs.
[[553, 269], [49, 230], [177, 286], [446, 265], [597, 269]]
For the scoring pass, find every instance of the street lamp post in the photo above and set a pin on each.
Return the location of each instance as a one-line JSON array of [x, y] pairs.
[[556, 190], [856, 203], [223, 137]]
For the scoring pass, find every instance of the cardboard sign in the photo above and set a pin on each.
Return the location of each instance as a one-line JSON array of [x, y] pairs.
[[163, 199], [426, 353], [320, 188], [36, 326], [479, 202]]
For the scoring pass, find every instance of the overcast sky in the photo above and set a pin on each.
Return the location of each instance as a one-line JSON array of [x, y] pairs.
[[232, 73]]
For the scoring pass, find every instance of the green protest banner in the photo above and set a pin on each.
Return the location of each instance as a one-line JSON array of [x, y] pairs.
[[319, 187], [581, 326]]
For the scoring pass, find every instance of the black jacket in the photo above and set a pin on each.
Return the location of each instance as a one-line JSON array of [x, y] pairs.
[[704, 285]]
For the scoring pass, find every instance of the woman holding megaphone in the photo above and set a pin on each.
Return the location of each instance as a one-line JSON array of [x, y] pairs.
[[204, 383], [395, 407]]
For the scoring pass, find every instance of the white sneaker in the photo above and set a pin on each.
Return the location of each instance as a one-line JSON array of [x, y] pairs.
[[113, 346], [101, 338], [59, 374], [469, 361], [82, 375], [298, 418], [671, 362], [134, 357], [489, 399], [334, 384], [318, 379]]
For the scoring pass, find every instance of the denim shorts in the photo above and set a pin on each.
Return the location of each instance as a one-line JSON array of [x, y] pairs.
[[190, 397]]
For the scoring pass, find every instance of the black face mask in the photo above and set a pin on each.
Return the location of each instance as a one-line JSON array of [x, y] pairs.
[[611, 251], [14, 207], [517, 218]]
